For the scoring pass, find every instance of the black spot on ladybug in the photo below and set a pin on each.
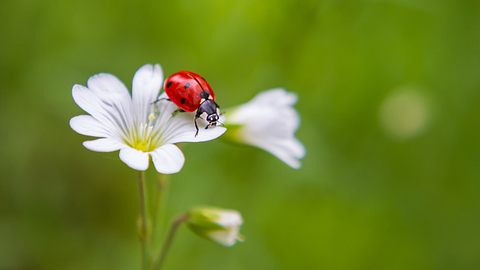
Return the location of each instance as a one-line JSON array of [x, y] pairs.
[[187, 85], [169, 84], [183, 100], [204, 94]]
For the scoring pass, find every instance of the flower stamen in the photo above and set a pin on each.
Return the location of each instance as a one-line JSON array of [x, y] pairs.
[[144, 138]]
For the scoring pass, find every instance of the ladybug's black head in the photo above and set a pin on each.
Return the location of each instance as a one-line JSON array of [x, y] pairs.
[[212, 120], [212, 117]]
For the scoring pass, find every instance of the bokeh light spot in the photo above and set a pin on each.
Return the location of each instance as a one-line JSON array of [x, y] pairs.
[[404, 113]]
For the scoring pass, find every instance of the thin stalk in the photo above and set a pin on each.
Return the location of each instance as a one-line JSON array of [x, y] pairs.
[[159, 206], [168, 241], [143, 232]]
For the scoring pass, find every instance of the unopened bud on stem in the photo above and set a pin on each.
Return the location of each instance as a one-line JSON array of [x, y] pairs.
[[218, 225]]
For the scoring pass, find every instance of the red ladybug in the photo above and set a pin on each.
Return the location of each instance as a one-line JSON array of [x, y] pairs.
[[190, 92]]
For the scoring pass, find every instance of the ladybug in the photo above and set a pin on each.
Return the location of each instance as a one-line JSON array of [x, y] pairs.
[[190, 92]]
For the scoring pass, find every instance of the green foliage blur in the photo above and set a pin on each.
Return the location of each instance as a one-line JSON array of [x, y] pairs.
[[389, 94]]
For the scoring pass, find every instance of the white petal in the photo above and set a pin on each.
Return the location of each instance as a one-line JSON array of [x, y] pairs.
[[229, 218], [103, 145], [113, 95], [87, 125], [88, 101], [166, 109], [107, 85], [295, 147], [274, 122], [226, 237], [277, 97], [204, 135], [289, 151], [181, 128], [134, 158], [168, 159], [147, 83], [107, 114]]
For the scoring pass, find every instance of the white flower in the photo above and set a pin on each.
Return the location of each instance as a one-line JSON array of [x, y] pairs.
[[219, 225], [135, 125], [269, 122]]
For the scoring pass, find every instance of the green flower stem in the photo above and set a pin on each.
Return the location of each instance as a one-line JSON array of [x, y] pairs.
[[159, 206], [143, 231], [168, 241]]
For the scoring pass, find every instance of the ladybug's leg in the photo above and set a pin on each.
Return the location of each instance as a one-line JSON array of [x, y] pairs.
[[196, 125], [197, 115], [158, 99], [218, 109]]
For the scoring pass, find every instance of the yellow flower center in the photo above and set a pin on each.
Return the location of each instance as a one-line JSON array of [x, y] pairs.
[[144, 138], [143, 146]]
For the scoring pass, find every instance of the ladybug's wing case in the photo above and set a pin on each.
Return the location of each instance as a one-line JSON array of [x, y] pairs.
[[180, 89], [184, 89], [206, 86], [201, 85]]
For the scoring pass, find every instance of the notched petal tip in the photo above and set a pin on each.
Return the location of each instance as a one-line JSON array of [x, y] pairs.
[[77, 89], [76, 86], [147, 83], [134, 159], [168, 159], [148, 73], [105, 81]]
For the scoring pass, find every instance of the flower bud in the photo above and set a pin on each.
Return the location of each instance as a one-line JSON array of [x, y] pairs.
[[218, 225]]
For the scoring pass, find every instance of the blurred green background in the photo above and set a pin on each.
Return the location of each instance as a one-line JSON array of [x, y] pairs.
[[389, 94]]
